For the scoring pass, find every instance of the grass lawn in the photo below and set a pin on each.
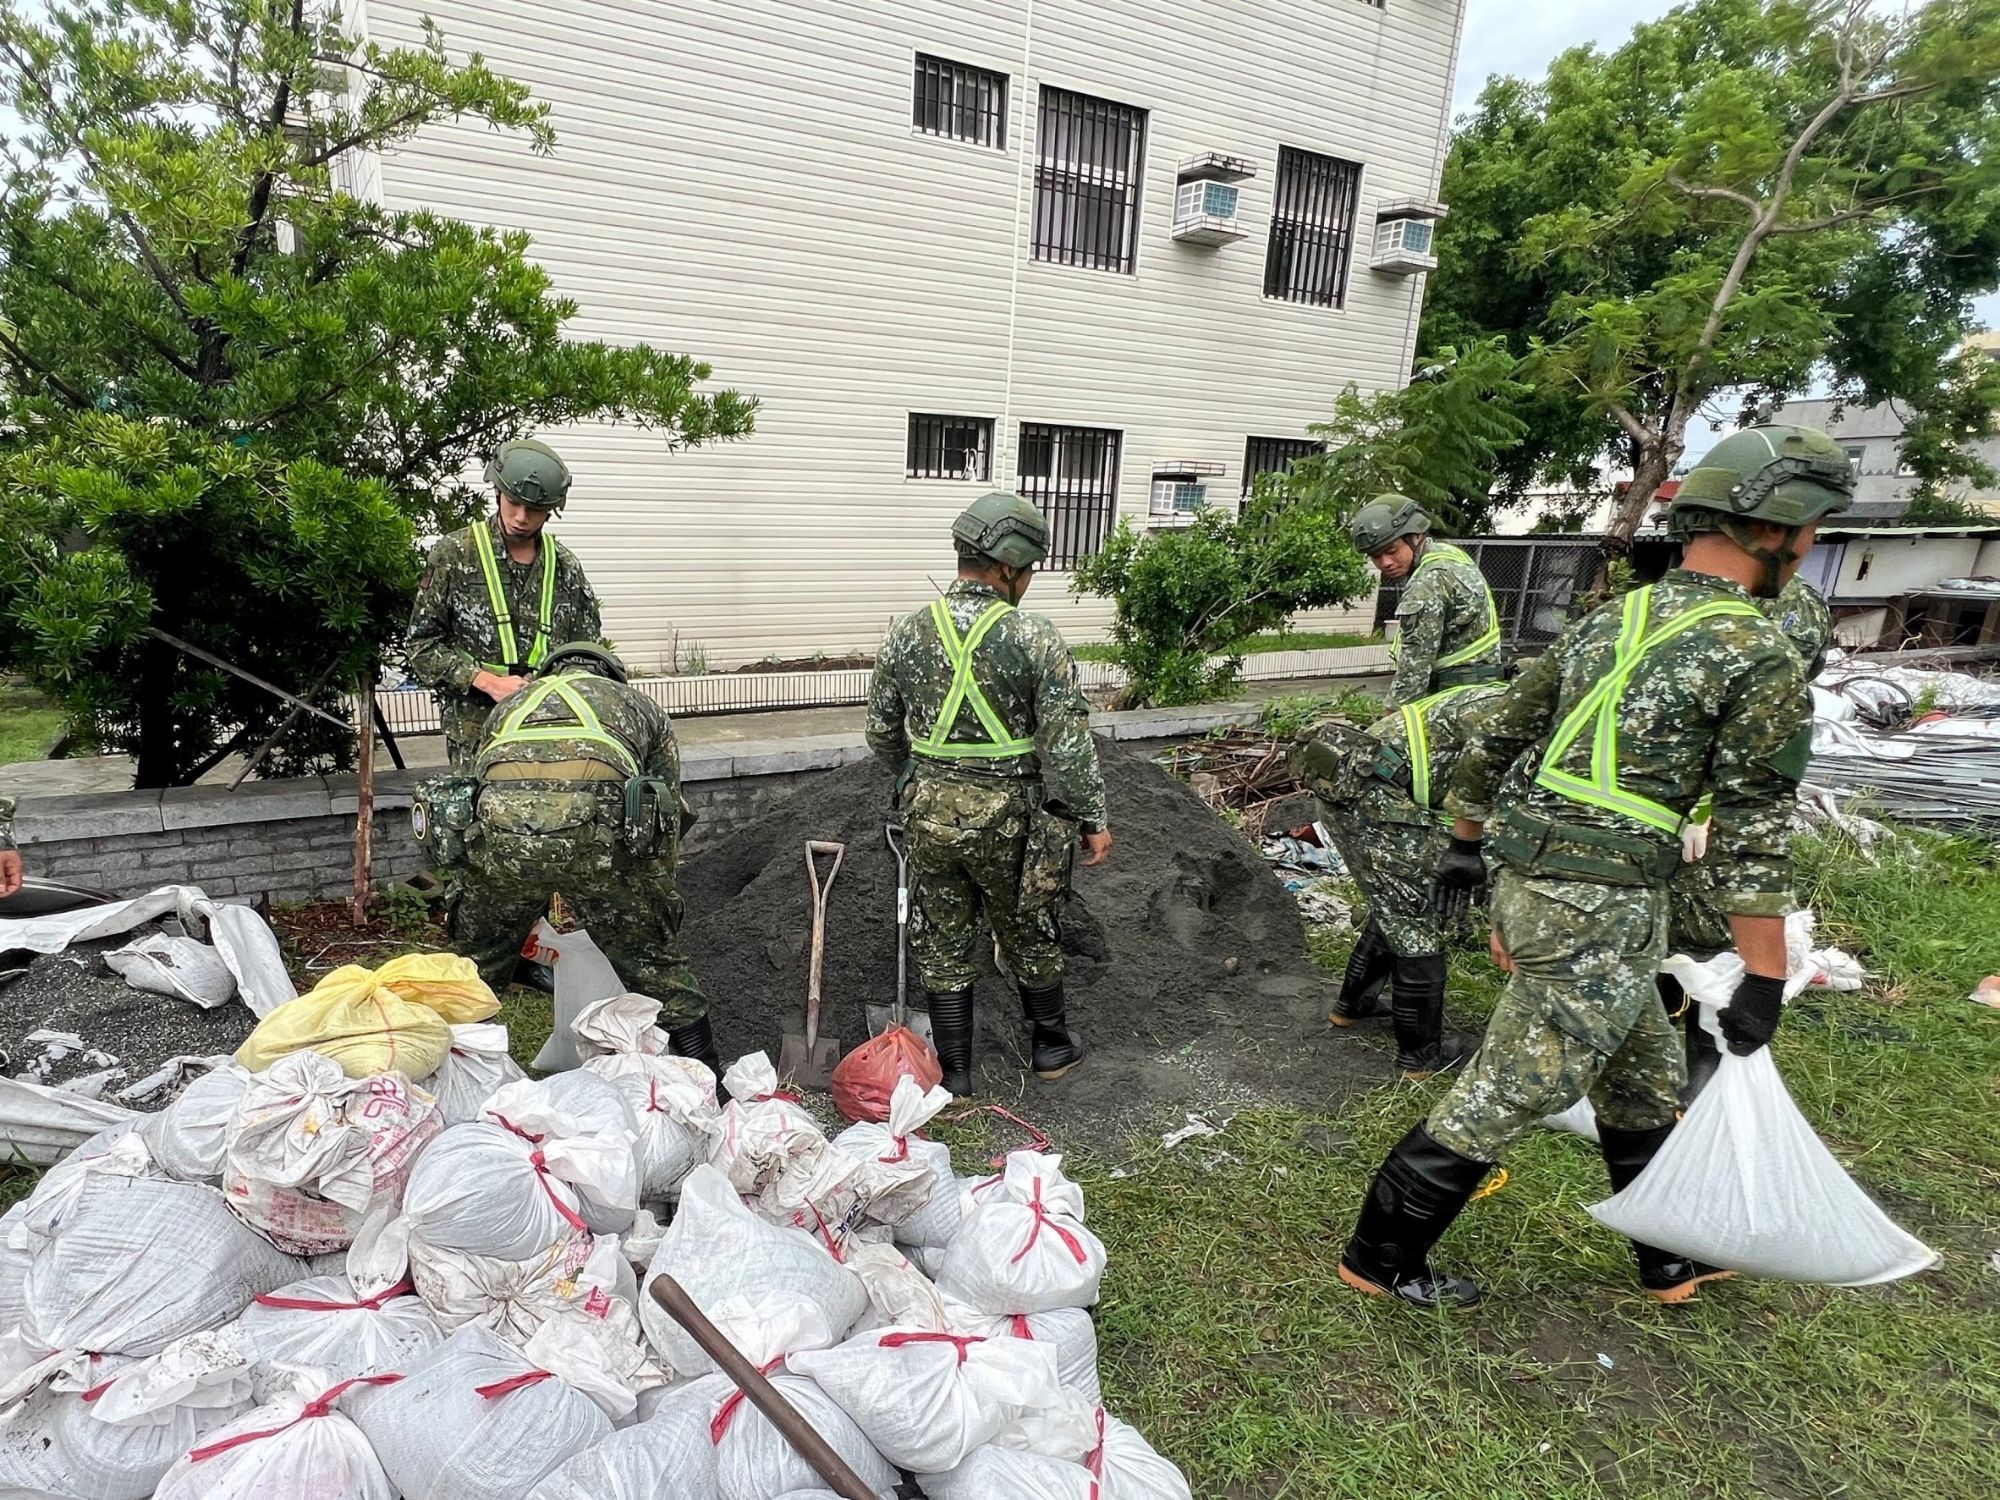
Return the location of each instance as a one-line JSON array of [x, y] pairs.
[[1276, 640], [28, 724]]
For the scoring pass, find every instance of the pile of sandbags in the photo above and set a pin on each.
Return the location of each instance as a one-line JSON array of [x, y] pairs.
[[320, 1274]]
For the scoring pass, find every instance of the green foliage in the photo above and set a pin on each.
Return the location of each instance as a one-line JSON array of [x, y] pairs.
[[1287, 717], [407, 910], [1437, 440], [1744, 193], [233, 396]]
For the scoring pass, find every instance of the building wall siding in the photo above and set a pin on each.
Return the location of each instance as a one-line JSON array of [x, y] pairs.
[[743, 183]]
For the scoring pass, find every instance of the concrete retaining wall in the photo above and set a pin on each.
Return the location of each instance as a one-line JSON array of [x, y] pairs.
[[294, 840]]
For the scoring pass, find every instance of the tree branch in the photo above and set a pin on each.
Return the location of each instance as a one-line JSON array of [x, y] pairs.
[[14, 351], [261, 188], [1731, 195]]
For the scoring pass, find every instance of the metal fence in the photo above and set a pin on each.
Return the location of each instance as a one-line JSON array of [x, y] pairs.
[[1535, 582]]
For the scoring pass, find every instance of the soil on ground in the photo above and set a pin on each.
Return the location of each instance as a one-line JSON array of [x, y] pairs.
[[1188, 976]]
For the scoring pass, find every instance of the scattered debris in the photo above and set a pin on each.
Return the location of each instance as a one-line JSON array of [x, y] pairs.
[[1197, 1127], [1242, 771], [1986, 992]]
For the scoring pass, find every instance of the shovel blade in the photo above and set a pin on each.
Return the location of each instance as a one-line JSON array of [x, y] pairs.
[[808, 1067], [881, 1017]]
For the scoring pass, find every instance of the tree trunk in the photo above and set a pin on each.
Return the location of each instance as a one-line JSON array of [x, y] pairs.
[[364, 812], [158, 760]]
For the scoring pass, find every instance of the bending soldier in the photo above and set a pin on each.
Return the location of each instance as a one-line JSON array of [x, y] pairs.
[[1448, 628], [978, 701]]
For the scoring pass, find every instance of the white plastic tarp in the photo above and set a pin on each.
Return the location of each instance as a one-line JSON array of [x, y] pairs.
[[41, 1125]]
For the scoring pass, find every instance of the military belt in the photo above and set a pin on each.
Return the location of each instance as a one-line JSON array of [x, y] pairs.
[[1451, 677], [1535, 845]]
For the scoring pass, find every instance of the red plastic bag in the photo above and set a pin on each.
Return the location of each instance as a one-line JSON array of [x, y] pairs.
[[867, 1076]]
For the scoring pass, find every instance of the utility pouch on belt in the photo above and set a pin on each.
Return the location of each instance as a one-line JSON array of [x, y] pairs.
[[1569, 851], [442, 818], [1331, 759], [652, 822], [1451, 677], [1046, 860], [1391, 764]]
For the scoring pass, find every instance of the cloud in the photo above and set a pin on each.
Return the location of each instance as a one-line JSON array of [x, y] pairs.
[[1523, 40]]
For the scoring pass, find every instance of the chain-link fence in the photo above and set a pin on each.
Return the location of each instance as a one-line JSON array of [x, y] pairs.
[[1535, 582]]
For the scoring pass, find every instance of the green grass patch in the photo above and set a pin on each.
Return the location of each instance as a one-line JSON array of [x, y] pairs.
[[29, 724]]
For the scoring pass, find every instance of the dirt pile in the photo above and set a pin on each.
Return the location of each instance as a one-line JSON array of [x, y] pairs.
[[1188, 975]]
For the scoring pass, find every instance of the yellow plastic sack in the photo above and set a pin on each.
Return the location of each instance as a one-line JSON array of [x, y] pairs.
[[398, 1017]]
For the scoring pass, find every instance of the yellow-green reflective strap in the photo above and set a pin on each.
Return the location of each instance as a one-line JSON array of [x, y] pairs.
[[1490, 638], [1417, 729], [503, 617], [1598, 710], [587, 729], [998, 744]]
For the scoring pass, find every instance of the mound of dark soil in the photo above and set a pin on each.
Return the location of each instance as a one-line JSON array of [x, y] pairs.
[[1188, 976]]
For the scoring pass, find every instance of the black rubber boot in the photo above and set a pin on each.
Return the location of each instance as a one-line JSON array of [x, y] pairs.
[[1413, 1199], [951, 1035], [1423, 1046], [1053, 1048], [1662, 1276], [1704, 1055], [697, 1040], [1368, 969]]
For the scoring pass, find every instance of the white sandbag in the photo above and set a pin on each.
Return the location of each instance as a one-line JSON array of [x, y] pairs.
[[622, 1025], [900, 1169], [1068, 1332], [1579, 1119], [583, 975], [475, 1420], [41, 1126], [926, 1400], [476, 1068], [322, 1332], [13, 1268], [179, 967], [899, 1295], [209, 1368], [1744, 1182], [1017, 1253], [931, 1228], [668, 1455], [53, 1446], [770, 1290], [754, 1462], [309, 1150], [764, 1135], [1123, 1466], [128, 1264], [584, 1132], [294, 1447], [1713, 981], [1067, 1428], [672, 1098], [487, 1191], [191, 1135]]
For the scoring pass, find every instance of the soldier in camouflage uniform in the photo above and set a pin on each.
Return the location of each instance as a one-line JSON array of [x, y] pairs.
[[495, 595], [978, 701], [10, 857], [1448, 629], [1696, 926], [579, 795], [1381, 792], [1678, 690]]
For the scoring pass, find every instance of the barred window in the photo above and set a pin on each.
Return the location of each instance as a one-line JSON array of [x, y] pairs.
[[1312, 228], [1071, 474], [959, 102], [949, 447], [1272, 455], [1087, 158]]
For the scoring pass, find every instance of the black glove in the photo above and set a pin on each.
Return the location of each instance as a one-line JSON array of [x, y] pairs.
[[1459, 873], [1750, 1019]]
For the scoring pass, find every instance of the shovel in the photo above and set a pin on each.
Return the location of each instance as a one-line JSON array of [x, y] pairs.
[[808, 1060], [882, 1017]]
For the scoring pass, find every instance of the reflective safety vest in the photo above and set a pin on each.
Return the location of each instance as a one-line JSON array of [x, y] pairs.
[[587, 729], [1598, 714], [1417, 731], [503, 617], [1489, 639], [965, 689]]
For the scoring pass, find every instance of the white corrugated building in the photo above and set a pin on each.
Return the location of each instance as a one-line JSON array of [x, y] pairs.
[[939, 239]]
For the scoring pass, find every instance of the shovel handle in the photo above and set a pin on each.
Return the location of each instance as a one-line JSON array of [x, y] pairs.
[[814, 849], [899, 846], [781, 1414]]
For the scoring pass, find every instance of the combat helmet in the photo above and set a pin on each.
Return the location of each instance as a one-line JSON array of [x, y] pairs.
[[1789, 476], [1005, 528], [585, 654], [530, 471], [1384, 520]]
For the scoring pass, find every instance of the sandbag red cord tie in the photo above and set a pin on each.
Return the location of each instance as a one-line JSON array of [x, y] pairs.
[[778, 1094], [319, 1406], [1038, 1138], [1022, 1328], [959, 1341], [1094, 1460], [312, 1304], [1042, 1217], [653, 1105], [512, 1384], [542, 1173], [902, 1152], [726, 1413]]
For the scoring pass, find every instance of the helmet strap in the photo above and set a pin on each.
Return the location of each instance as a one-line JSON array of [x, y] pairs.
[[1017, 581], [1771, 579]]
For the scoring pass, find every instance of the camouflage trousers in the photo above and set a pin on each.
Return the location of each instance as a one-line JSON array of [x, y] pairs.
[[1695, 926], [967, 841], [464, 723], [1391, 862], [630, 906], [1580, 1016]]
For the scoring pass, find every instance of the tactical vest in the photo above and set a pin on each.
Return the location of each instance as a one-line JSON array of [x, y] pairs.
[[512, 662], [1454, 668], [582, 788], [998, 743]]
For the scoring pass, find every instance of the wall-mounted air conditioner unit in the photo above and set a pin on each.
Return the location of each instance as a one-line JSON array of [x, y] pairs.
[[1176, 498], [1206, 198], [1406, 236]]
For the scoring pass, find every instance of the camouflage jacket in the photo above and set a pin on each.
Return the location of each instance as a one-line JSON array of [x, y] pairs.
[[628, 716], [1445, 607], [1719, 709], [452, 630], [1027, 674], [6, 822], [1449, 723], [1800, 611]]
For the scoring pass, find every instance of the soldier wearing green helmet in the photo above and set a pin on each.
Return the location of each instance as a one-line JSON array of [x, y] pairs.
[[975, 704], [496, 594], [1679, 691], [1448, 628]]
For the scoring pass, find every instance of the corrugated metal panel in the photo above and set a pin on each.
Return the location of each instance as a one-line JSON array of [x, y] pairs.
[[743, 183]]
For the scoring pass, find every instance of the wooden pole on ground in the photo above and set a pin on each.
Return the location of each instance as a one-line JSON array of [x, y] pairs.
[[364, 797]]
